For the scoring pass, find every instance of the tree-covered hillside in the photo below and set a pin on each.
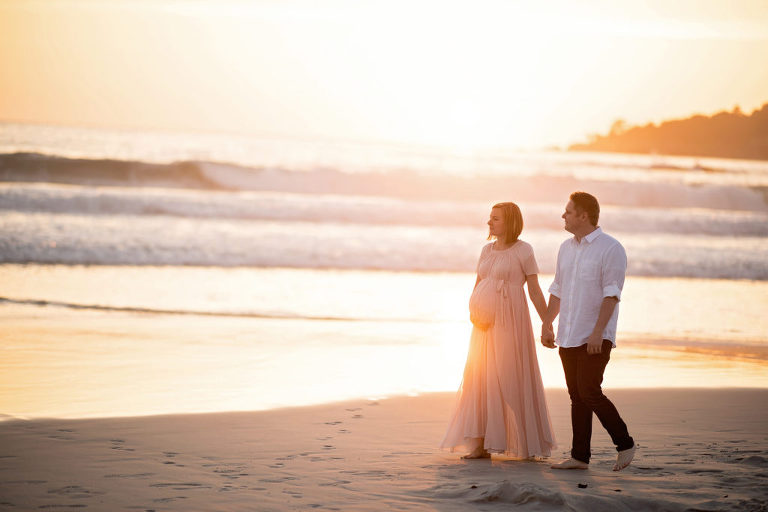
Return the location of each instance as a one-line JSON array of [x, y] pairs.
[[725, 134]]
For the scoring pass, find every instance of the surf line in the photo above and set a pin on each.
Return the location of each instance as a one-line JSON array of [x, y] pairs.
[[228, 314]]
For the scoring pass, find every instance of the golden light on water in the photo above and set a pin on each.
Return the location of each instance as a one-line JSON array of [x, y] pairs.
[[90, 364], [395, 333]]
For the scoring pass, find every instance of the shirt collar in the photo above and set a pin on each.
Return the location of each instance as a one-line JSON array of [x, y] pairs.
[[590, 237]]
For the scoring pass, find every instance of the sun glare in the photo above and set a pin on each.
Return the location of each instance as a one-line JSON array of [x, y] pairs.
[[513, 74]]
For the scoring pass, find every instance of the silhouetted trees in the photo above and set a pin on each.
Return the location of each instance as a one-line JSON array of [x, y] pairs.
[[725, 134]]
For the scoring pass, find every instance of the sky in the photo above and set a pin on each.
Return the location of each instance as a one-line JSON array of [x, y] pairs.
[[466, 75]]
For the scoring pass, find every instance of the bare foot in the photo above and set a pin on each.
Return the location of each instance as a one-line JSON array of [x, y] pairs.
[[570, 464], [624, 458], [478, 453]]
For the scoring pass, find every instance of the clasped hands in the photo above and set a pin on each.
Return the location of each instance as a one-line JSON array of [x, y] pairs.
[[547, 335]]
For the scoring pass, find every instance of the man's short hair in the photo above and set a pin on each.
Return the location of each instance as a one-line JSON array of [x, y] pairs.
[[587, 203]]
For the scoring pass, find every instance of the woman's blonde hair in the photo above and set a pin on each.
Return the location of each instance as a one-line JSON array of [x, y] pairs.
[[513, 220]]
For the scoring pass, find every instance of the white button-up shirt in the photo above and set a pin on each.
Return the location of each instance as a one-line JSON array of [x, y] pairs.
[[586, 273]]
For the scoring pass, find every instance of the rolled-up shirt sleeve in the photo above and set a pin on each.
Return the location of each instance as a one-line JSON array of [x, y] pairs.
[[614, 271], [555, 287]]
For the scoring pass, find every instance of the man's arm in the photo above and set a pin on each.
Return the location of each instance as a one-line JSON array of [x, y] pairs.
[[613, 273], [553, 308], [595, 340]]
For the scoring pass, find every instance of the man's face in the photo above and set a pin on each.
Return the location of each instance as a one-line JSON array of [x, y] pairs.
[[573, 220]]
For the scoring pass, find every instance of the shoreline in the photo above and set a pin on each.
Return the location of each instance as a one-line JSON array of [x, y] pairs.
[[60, 363], [6, 419], [699, 448]]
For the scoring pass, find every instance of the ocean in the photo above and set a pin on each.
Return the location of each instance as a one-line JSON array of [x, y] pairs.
[[148, 273]]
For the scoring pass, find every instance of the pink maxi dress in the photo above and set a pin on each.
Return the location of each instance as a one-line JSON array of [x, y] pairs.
[[501, 397]]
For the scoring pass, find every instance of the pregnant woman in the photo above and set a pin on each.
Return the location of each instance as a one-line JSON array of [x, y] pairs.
[[500, 406]]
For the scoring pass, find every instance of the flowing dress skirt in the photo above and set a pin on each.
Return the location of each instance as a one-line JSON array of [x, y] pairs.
[[501, 399]]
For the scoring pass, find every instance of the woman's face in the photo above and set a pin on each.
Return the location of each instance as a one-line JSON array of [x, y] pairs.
[[496, 223]]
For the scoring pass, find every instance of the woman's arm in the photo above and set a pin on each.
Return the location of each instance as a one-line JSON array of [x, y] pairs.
[[537, 297]]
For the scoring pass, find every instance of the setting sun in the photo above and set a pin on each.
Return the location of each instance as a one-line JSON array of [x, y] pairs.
[[510, 74]]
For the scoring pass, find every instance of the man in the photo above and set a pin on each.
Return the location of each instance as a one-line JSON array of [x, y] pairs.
[[586, 292]]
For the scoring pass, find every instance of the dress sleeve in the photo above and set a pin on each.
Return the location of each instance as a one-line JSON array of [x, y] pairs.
[[528, 260], [483, 253]]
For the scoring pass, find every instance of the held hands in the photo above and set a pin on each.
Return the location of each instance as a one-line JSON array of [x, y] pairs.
[[547, 335]]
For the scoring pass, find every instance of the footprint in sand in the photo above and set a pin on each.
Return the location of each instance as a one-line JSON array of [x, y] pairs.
[[63, 434], [119, 444], [61, 437], [280, 480], [181, 486], [171, 455], [74, 492], [168, 500], [129, 475], [229, 470], [335, 483], [293, 494], [55, 506]]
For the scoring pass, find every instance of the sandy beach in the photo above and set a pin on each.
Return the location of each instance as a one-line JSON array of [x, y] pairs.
[[700, 449], [239, 241]]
